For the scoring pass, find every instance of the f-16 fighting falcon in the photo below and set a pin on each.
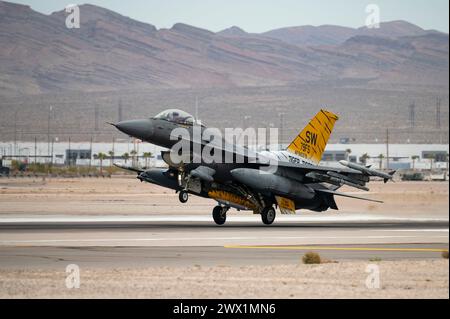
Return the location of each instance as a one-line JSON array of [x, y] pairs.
[[290, 180]]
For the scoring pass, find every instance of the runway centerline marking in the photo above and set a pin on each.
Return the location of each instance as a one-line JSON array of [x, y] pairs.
[[436, 250]]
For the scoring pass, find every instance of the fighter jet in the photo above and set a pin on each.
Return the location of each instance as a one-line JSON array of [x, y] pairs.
[[245, 182]]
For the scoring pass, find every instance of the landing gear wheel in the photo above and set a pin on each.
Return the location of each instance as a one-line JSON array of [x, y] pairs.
[[219, 215], [268, 215], [183, 196]]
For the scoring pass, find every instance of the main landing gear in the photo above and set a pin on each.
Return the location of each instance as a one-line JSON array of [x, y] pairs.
[[268, 215], [220, 214]]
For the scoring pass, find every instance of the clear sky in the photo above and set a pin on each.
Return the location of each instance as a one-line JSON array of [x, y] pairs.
[[264, 15]]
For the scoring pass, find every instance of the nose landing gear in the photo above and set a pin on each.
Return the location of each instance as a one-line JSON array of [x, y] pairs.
[[220, 214], [183, 196]]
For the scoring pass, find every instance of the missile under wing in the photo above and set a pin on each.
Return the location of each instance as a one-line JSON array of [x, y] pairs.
[[368, 171]]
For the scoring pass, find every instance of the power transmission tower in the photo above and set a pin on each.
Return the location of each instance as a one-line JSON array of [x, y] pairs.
[[15, 133], [90, 152], [196, 109], [96, 118], [119, 112], [412, 115], [438, 113], [387, 149], [35, 150], [281, 116], [50, 109]]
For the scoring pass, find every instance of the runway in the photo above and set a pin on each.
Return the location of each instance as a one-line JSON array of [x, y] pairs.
[[136, 241], [142, 257]]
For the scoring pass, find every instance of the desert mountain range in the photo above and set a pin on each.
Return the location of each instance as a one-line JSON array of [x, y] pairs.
[[38, 54]]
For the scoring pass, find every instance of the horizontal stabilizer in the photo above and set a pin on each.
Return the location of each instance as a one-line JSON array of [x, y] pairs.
[[329, 191], [129, 168], [387, 179]]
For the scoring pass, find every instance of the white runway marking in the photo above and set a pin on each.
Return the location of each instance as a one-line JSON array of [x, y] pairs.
[[413, 230], [12, 242], [207, 218]]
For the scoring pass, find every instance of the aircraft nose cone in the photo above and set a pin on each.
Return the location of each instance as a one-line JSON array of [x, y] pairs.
[[141, 129]]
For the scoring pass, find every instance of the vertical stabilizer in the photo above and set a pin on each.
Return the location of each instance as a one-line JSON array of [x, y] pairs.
[[311, 142]]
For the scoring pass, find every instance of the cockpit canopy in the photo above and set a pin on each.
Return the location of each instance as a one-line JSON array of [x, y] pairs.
[[176, 116]]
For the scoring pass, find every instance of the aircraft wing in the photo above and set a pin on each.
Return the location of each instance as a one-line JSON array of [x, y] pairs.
[[336, 176], [224, 146], [255, 158], [313, 168]]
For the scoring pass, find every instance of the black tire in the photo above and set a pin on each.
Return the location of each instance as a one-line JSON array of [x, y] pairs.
[[219, 215], [183, 196], [268, 215]]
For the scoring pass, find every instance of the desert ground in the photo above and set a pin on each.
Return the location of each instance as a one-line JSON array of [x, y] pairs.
[[398, 279], [122, 195]]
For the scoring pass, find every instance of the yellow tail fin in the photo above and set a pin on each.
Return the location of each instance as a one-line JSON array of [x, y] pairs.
[[311, 142]]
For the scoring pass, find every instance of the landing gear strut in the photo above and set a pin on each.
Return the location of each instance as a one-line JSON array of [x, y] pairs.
[[268, 215], [183, 196], [220, 214]]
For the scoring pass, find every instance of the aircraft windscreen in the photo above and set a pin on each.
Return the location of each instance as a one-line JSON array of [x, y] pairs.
[[176, 116]]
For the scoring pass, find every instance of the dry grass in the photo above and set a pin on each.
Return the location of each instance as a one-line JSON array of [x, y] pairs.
[[311, 258]]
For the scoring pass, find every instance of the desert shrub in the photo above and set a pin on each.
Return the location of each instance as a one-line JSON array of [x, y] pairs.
[[38, 168], [445, 254], [311, 258]]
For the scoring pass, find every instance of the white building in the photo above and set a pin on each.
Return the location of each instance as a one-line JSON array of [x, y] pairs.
[[400, 155]]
